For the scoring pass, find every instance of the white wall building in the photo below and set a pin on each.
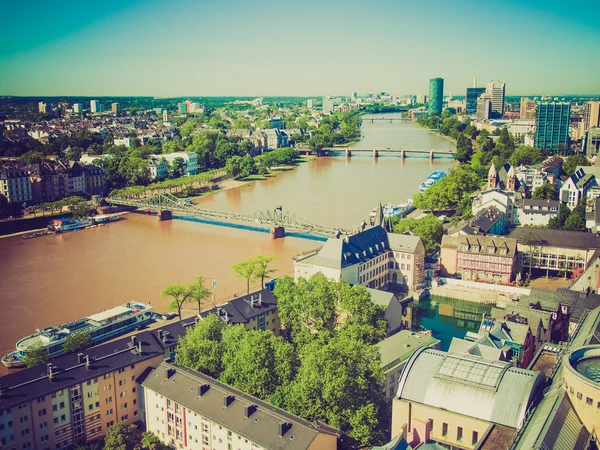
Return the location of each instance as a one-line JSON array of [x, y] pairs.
[[96, 106], [190, 159], [123, 141], [521, 127], [77, 108], [504, 201], [531, 177], [372, 258], [576, 187], [157, 168], [537, 212], [15, 185]]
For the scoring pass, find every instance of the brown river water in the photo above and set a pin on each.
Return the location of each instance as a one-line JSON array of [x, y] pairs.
[[54, 279]]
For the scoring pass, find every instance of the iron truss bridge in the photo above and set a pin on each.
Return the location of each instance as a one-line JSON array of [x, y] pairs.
[[274, 217]]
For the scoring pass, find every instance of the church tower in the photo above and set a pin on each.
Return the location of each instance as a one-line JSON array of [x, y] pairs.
[[511, 179], [492, 177]]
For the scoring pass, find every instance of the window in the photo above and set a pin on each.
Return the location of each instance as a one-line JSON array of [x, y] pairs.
[[122, 382], [475, 437], [589, 401], [62, 405], [444, 429], [109, 412], [41, 399], [107, 376], [579, 396], [25, 432], [54, 407], [121, 371], [43, 425], [23, 419], [42, 412], [459, 434], [44, 438], [63, 418]]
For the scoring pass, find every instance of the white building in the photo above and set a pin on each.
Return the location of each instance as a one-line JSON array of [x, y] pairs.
[[537, 212], [76, 178], [89, 159], [96, 106], [576, 187], [372, 258], [77, 108], [15, 185], [328, 105], [123, 141], [190, 159], [521, 127], [504, 201], [532, 177], [193, 411], [42, 107], [496, 90], [309, 104], [157, 168], [276, 138]]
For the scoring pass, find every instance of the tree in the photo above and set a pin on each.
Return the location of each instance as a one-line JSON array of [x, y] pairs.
[[544, 192], [575, 222], [261, 269], [247, 166], [317, 143], [179, 295], [199, 292], [526, 155], [558, 222], [77, 341], [571, 163], [233, 166], [177, 168], [245, 270], [122, 436], [36, 355], [430, 229], [201, 349]]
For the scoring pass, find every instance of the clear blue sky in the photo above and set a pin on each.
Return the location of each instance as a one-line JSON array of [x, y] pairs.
[[305, 47]]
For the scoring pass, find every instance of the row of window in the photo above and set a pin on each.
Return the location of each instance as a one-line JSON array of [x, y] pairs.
[[459, 434]]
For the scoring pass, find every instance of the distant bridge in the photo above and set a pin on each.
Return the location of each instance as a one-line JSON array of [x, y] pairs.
[[277, 217], [390, 119], [402, 152]]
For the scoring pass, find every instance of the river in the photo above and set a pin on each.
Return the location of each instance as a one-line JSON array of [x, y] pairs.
[[53, 279]]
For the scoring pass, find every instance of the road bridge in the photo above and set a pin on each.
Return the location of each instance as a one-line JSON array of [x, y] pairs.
[[275, 219], [402, 152]]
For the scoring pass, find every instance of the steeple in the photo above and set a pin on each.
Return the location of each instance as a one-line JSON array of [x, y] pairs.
[[492, 177], [510, 179], [379, 218]]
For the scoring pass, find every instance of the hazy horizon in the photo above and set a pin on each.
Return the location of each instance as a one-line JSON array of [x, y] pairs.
[[266, 48]]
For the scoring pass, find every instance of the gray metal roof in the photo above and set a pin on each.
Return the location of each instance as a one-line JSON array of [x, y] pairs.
[[401, 344], [558, 238], [262, 427], [490, 390]]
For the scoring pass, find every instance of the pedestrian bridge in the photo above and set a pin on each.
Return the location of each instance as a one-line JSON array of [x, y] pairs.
[[258, 221]]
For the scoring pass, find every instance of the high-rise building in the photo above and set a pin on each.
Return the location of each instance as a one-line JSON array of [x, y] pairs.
[[527, 110], [77, 108], [471, 99], [94, 106], [591, 115], [42, 107], [309, 104], [484, 107], [552, 125], [116, 107], [436, 95], [165, 115], [496, 90], [328, 105]]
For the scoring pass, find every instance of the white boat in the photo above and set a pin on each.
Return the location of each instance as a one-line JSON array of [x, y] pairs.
[[390, 210], [101, 327], [66, 224]]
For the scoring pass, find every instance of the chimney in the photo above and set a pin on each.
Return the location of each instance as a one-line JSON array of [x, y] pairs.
[[203, 389], [228, 400], [140, 347], [252, 300], [80, 358], [87, 361], [133, 341], [50, 374], [160, 332], [259, 298], [249, 410], [284, 427], [169, 373]]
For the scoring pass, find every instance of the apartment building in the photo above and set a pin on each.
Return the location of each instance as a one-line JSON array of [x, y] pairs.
[[193, 411], [576, 187], [15, 185], [158, 168], [95, 180], [77, 397], [255, 311], [190, 160], [372, 258]]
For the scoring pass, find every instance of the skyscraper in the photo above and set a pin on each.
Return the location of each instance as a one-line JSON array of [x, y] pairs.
[[436, 95], [94, 106], [591, 115], [552, 125], [42, 107], [116, 108], [328, 105], [484, 106], [527, 110], [77, 108], [471, 99], [165, 115], [496, 90]]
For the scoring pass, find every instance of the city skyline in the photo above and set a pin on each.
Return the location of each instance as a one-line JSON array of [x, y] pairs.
[[185, 48]]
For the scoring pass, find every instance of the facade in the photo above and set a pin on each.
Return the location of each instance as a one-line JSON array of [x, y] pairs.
[[76, 178], [532, 177], [487, 259], [123, 141], [277, 122], [77, 397], [115, 107], [95, 180], [521, 127], [328, 105], [395, 352], [94, 106], [484, 107], [504, 201], [372, 258], [15, 185], [157, 167], [591, 143], [77, 108], [255, 311], [193, 411], [556, 251], [471, 99], [591, 115], [527, 109], [275, 138], [496, 90], [552, 125], [462, 400], [576, 187], [190, 159], [436, 95], [42, 107], [537, 213]]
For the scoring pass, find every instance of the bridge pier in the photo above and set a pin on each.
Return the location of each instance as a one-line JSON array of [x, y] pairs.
[[431, 155], [403, 154], [375, 154], [348, 153], [164, 215], [277, 232]]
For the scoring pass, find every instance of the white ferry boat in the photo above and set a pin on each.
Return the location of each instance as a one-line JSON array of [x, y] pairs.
[[390, 210], [431, 180], [65, 224], [101, 327]]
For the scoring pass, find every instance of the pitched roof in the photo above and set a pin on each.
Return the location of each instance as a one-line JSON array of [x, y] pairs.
[[558, 238], [489, 245], [182, 385], [32, 383], [493, 391], [241, 309]]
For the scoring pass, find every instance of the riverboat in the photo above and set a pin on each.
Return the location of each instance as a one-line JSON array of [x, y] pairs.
[[431, 180], [66, 224], [100, 326], [390, 210]]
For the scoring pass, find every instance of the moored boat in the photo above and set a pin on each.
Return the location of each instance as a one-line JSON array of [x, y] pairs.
[[432, 179], [14, 359]]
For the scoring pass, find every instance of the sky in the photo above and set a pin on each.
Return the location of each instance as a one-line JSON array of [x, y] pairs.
[[301, 48]]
